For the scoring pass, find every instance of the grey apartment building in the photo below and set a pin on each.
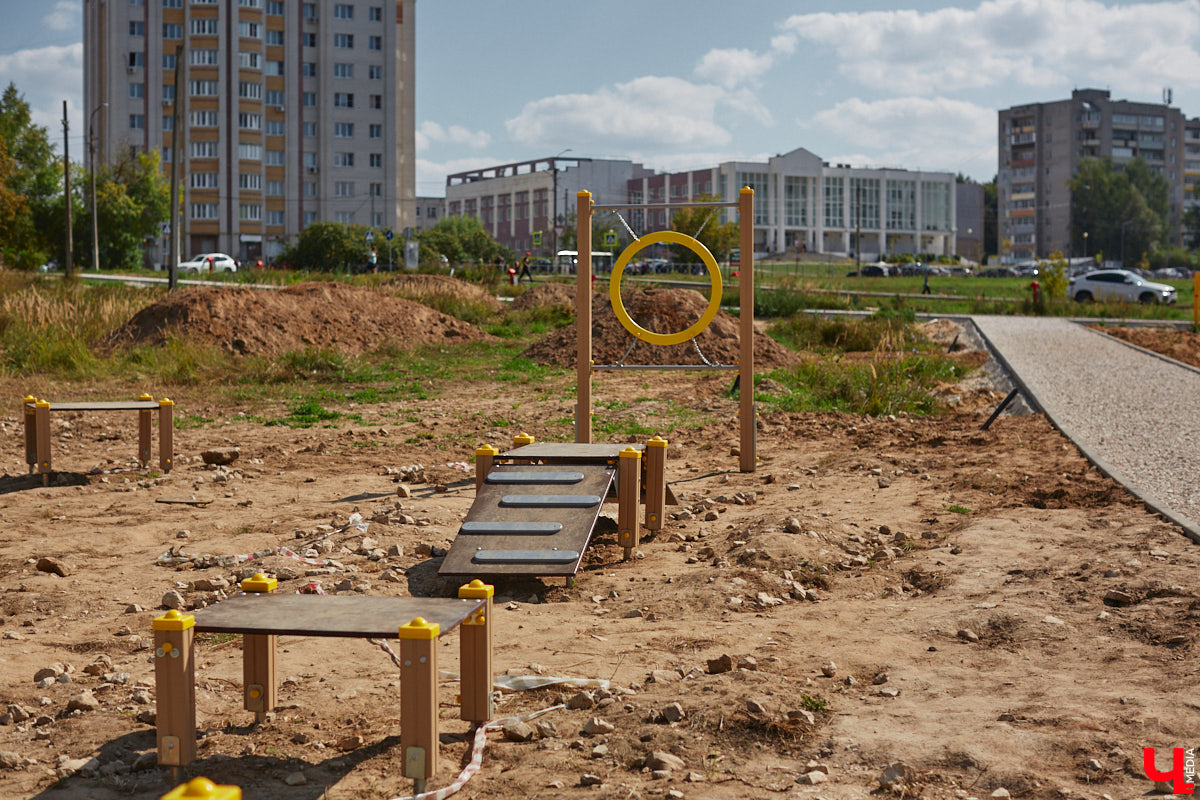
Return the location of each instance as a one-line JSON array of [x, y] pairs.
[[1041, 145], [290, 111]]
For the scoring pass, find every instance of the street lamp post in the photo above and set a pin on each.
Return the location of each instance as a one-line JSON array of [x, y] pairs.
[[1123, 224], [1085, 247], [554, 204], [92, 158]]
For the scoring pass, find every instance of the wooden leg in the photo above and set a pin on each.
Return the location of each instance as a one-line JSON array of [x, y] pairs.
[[475, 643], [418, 701], [30, 414], [166, 435], [485, 457], [628, 479], [144, 423], [260, 689], [656, 482], [175, 689], [42, 424]]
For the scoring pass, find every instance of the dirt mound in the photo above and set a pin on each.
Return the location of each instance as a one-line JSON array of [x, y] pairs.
[[545, 294], [662, 311], [268, 322], [415, 287], [1181, 345]]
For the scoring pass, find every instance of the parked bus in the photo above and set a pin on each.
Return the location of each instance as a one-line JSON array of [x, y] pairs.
[[565, 261]]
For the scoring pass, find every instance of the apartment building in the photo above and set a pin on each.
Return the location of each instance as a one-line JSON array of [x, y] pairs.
[[283, 112], [805, 204], [519, 203], [1041, 145], [1191, 164], [428, 211]]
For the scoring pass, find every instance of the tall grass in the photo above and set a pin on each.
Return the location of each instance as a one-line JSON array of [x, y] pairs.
[[876, 388], [888, 332]]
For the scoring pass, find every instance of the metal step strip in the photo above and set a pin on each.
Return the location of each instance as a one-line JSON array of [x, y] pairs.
[[550, 500], [512, 528], [534, 477], [554, 556]]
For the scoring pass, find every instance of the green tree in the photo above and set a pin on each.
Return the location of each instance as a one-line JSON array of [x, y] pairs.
[[33, 173], [1123, 209], [328, 246], [705, 225], [991, 220], [132, 199], [462, 240], [1191, 227]]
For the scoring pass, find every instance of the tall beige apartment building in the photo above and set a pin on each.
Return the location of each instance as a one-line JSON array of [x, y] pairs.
[[290, 111]]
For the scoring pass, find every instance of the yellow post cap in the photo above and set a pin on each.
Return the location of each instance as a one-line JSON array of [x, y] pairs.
[[29, 399], [630, 452], [173, 620], [656, 441], [583, 193], [166, 402], [420, 629], [260, 582], [746, 190], [487, 450], [476, 590], [145, 397], [522, 438], [203, 789], [42, 404]]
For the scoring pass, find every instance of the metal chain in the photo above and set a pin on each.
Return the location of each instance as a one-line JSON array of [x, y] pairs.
[[707, 219], [626, 224], [621, 360], [696, 344]]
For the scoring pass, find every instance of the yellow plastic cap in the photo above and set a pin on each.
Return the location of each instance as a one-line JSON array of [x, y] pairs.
[[42, 404], [166, 402], [203, 789], [487, 450], [630, 452], [657, 441], [476, 590], [746, 190], [29, 399], [583, 193], [420, 629], [173, 620], [145, 397], [260, 582], [522, 438]]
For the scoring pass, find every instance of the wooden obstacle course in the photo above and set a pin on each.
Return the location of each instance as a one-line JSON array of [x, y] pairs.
[[260, 616], [37, 429]]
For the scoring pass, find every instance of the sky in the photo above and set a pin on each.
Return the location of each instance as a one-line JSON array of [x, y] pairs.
[[687, 84]]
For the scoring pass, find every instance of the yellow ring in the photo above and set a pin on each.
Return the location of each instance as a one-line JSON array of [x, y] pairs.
[[714, 274]]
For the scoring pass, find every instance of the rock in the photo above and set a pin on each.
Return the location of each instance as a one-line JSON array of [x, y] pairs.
[[84, 701], [1116, 597], [896, 774], [220, 455], [1094, 765], [664, 676], [145, 761], [694, 777], [348, 743], [555, 785], [295, 779], [1049, 619], [402, 490], [793, 525], [880, 678], [767, 601], [1000, 793], [517, 731], [597, 726], [173, 599], [18, 713], [756, 707], [812, 778], [214, 584], [47, 672], [581, 700], [889, 691], [10, 760], [829, 669], [547, 729], [662, 760], [802, 715], [968, 635], [884, 481], [748, 663], [675, 794], [672, 712], [85, 766], [718, 665], [54, 566], [600, 751], [101, 665], [587, 779]]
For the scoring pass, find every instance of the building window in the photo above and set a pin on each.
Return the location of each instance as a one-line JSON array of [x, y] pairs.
[[274, 127], [308, 99], [137, 28], [204, 57], [309, 218], [274, 189], [376, 159], [204, 210], [344, 217], [275, 8], [168, 92], [166, 154], [343, 99], [376, 101], [377, 219], [343, 41], [169, 58], [249, 60], [309, 10], [274, 158], [172, 3], [250, 90], [204, 26], [274, 68], [343, 70], [250, 180], [250, 211], [310, 189], [203, 119], [308, 69], [835, 209], [376, 190], [250, 3], [137, 91], [343, 11], [308, 128], [375, 72], [249, 121], [168, 124], [274, 97], [343, 189], [374, 42], [308, 39], [204, 180], [137, 121], [274, 37], [249, 151], [375, 13], [135, 59], [343, 159], [376, 131], [864, 199], [309, 160], [274, 217], [204, 149], [343, 130], [250, 30]]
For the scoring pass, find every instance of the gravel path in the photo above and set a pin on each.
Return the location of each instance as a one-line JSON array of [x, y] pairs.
[[1132, 413]]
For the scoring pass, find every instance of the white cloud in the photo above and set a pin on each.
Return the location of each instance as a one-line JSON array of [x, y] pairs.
[[66, 15], [649, 113], [46, 76], [1034, 43], [914, 133], [730, 68], [430, 133]]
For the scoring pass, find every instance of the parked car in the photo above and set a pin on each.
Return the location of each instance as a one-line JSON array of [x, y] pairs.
[[1119, 285], [209, 262], [998, 272], [870, 271]]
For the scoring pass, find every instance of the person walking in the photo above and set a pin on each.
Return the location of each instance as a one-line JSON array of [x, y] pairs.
[[373, 260], [926, 290], [525, 273]]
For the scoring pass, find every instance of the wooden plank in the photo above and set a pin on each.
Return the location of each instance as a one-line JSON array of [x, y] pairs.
[[198, 502], [132, 405], [569, 450], [329, 615], [577, 526]]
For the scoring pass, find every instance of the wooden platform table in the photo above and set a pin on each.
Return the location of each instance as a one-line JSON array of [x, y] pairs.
[[260, 616]]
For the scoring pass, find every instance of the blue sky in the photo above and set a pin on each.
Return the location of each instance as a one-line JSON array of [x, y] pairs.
[[678, 85]]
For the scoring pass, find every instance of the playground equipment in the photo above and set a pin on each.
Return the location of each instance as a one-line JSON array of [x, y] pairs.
[[536, 506], [747, 457], [260, 616], [203, 789], [37, 429]]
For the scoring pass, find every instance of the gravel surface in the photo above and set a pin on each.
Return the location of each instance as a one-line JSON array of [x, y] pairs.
[[1133, 411]]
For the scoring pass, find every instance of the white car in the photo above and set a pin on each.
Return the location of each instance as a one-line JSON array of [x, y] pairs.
[[1119, 285], [209, 262]]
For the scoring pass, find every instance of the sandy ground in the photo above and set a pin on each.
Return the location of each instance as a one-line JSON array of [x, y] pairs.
[[981, 610]]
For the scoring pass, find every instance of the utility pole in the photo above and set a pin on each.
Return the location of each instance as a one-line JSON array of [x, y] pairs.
[[68, 267], [176, 158], [92, 157]]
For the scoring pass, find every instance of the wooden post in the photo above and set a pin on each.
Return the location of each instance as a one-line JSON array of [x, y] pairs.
[[583, 318], [42, 425], [747, 458], [259, 687], [656, 482], [418, 701], [475, 655], [485, 457], [144, 423], [175, 689], [166, 434], [31, 446], [628, 483]]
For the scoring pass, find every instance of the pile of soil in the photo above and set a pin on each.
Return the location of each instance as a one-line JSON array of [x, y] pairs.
[[415, 287], [545, 294], [1181, 345], [661, 311], [268, 322]]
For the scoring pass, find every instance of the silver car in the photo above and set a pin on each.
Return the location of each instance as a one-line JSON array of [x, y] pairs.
[[1119, 285]]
